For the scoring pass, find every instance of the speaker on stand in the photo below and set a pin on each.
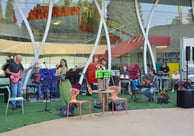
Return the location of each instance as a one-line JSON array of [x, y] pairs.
[[187, 59], [185, 97]]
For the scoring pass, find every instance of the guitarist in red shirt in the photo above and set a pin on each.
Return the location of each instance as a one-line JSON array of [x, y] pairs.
[[16, 88]]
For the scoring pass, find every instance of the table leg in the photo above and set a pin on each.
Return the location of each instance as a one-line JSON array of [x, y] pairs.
[[129, 88], [161, 84], [103, 94]]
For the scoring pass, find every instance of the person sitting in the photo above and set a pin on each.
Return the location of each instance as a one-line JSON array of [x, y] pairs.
[[36, 78], [124, 72], [175, 80], [125, 83], [149, 84]]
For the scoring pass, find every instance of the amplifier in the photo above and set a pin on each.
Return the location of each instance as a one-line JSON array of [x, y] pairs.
[[185, 98]]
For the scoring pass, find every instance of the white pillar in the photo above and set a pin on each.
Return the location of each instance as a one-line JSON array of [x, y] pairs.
[[92, 52], [27, 26], [154, 51], [106, 31], [102, 22], [37, 53], [192, 2], [145, 34]]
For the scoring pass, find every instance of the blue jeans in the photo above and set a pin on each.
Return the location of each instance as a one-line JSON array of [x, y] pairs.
[[16, 91], [38, 87], [174, 82], [149, 92], [165, 81]]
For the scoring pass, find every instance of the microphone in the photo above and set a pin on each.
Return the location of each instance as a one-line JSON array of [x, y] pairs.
[[44, 62]]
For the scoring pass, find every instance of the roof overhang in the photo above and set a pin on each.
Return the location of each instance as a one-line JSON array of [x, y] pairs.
[[128, 46], [16, 47]]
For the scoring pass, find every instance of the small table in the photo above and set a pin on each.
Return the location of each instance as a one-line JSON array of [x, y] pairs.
[[103, 95]]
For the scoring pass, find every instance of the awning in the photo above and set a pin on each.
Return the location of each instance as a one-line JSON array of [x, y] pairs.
[[136, 42]]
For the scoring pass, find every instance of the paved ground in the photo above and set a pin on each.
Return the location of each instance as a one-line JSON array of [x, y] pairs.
[[150, 122]]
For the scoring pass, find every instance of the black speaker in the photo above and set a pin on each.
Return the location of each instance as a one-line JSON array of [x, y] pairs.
[[193, 53], [187, 53], [185, 98]]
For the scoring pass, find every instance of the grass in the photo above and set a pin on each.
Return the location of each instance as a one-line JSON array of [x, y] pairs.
[[15, 119]]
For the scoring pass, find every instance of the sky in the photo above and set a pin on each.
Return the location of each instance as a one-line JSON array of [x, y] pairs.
[[164, 14]]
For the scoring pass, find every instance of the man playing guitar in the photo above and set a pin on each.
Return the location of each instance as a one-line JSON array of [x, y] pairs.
[[149, 84], [16, 88]]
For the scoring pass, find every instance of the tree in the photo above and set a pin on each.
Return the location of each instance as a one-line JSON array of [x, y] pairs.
[[9, 11], [189, 17], [121, 12]]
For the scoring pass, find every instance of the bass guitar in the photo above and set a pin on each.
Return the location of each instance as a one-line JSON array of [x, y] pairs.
[[16, 79]]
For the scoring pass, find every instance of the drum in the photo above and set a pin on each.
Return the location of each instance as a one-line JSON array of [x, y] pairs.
[[118, 73], [121, 76], [126, 76], [134, 84]]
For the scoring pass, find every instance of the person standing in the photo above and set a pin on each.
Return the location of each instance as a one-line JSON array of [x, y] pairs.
[[165, 69], [102, 83], [16, 88], [175, 80], [64, 84]]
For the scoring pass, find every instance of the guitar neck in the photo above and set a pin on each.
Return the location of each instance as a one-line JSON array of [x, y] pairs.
[[26, 70]]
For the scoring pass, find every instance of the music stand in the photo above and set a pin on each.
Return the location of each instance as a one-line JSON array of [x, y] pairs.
[[101, 74]]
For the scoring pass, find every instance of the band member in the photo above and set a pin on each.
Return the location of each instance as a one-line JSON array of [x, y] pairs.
[[150, 84], [124, 72], [64, 84], [125, 83], [102, 83], [9, 61], [176, 80], [36, 78], [165, 70], [16, 88]]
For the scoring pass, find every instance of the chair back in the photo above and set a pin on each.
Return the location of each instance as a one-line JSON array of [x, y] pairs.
[[5, 81], [116, 89], [9, 92], [74, 92]]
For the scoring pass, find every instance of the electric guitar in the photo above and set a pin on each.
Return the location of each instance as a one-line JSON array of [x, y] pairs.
[[16, 79]]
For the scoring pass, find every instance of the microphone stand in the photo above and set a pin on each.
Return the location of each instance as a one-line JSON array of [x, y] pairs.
[[48, 74]]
